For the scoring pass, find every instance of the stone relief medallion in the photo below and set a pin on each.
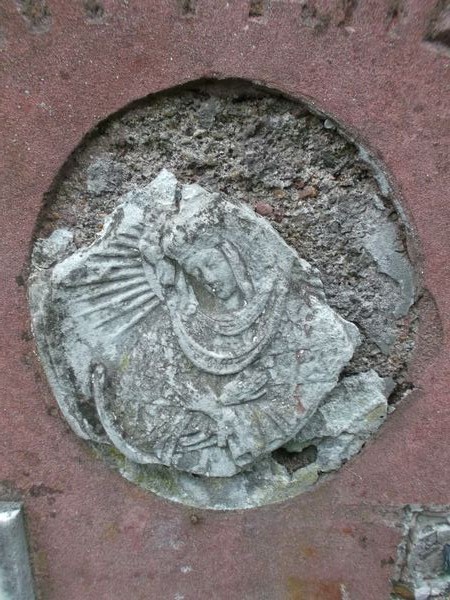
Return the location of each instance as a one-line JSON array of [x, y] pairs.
[[222, 297], [200, 337]]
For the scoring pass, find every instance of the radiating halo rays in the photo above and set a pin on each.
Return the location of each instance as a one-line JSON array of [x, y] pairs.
[[117, 289]]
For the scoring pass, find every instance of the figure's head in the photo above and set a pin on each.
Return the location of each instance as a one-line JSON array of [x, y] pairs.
[[222, 246], [211, 269]]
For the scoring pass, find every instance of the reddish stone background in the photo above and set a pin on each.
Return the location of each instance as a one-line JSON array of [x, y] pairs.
[[93, 535]]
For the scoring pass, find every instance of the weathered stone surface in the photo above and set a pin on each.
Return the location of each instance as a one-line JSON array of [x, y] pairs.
[[349, 415], [189, 334], [47, 251]]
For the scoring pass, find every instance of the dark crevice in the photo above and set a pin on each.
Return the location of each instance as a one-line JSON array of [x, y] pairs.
[[94, 9], [439, 24], [257, 8], [400, 391], [187, 7], [396, 12], [293, 461]]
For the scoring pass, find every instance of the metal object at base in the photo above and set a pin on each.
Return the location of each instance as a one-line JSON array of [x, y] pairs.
[[15, 573]]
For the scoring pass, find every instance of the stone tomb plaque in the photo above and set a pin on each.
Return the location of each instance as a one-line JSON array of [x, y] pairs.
[[189, 334]]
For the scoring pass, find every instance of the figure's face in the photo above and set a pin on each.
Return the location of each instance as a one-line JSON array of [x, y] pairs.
[[212, 270]]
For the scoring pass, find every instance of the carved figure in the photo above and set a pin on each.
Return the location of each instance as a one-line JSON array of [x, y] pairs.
[[189, 334]]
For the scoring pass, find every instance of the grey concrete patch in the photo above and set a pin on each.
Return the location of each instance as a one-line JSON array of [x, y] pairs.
[[346, 419], [47, 251], [423, 567]]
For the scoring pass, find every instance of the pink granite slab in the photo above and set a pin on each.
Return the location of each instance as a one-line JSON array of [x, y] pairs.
[[92, 534]]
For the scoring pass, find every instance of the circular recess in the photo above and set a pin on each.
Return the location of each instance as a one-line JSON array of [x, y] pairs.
[[309, 186]]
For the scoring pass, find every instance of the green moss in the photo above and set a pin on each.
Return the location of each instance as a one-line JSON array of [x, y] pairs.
[[124, 363], [117, 457], [158, 479]]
